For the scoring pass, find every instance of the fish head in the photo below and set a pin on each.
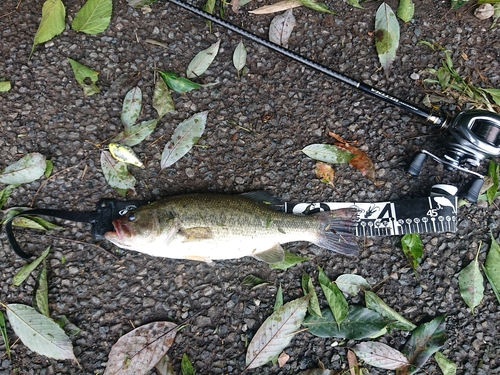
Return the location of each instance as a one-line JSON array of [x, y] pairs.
[[139, 229]]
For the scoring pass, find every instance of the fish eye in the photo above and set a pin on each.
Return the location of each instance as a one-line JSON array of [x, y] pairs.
[[131, 216]]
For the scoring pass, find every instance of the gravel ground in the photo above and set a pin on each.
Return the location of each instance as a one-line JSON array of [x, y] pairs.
[[286, 107]]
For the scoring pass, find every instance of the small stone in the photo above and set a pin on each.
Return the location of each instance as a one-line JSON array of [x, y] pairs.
[[484, 11]]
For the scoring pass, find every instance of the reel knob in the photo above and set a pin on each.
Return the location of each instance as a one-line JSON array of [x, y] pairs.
[[416, 165], [472, 189]]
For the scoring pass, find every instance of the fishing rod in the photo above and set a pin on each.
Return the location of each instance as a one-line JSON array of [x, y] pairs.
[[473, 135]]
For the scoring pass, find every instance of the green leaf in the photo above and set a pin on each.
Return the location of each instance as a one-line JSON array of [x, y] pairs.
[[125, 154], [185, 136], [425, 340], [34, 222], [39, 333], [131, 108], [308, 289], [494, 93], [252, 281], [455, 4], [386, 35], [68, 327], [93, 17], [471, 283], [42, 292], [200, 63], [317, 6], [140, 3], [5, 86], [360, 323], [354, 3], [328, 153], [406, 10], [240, 57], [446, 366], [492, 267], [413, 249], [26, 270], [334, 297], [279, 299], [27, 169], [352, 284], [179, 84], [380, 355], [85, 77], [5, 337], [136, 134], [116, 172], [5, 194], [375, 303], [49, 166], [276, 333], [52, 23], [162, 100], [186, 366], [289, 261], [492, 191]]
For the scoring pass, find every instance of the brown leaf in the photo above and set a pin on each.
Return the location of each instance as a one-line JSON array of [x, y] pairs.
[[137, 352], [282, 359], [361, 161], [277, 7], [324, 172], [338, 138], [353, 363]]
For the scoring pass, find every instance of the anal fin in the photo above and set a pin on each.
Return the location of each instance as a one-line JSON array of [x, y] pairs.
[[275, 254]]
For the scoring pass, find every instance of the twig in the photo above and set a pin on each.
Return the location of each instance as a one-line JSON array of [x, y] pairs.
[[156, 43]]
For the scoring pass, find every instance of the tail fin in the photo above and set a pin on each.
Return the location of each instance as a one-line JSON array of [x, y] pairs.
[[336, 231]]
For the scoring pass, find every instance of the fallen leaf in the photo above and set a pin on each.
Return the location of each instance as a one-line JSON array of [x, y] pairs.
[[131, 108], [324, 172], [380, 355], [276, 333], [283, 359], [27, 169], [413, 249], [200, 63], [386, 35], [94, 17], [281, 28], [352, 284], [39, 333], [446, 366], [186, 366], [185, 136], [406, 10], [352, 360], [425, 340], [162, 100], [375, 303], [361, 161], [82, 75], [5, 194], [328, 153], [471, 283], [52, 23], [316, 5], [26, 270], [252, 281], [308, 289], [359, 323], [492, 267], [5, 85], [136, 134], [277, 7], [240, 57], [5, 337], [137, 352], [179, 84], [116, 172], [279, 299], [289, 261], [165, 367], [42, 292], [334, 297], [125, 154]]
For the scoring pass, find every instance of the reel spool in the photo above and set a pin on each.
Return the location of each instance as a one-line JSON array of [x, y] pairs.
[[474, 137]]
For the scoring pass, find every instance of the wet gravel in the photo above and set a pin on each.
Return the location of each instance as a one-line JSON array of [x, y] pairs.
[[286, 107]]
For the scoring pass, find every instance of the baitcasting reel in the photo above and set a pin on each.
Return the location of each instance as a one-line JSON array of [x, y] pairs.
[[474, 136]]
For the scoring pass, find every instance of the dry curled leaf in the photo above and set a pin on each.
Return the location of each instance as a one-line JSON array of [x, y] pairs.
[[277, 7], [324, 172]]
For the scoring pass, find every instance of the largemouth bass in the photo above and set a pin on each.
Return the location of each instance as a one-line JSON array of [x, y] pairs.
[[207, 227]]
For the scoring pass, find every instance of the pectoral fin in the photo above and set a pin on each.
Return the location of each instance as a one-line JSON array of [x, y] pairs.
[[196, 234], [275, 254]]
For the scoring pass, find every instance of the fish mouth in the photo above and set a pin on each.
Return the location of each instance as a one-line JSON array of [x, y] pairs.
[[121, 230]]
